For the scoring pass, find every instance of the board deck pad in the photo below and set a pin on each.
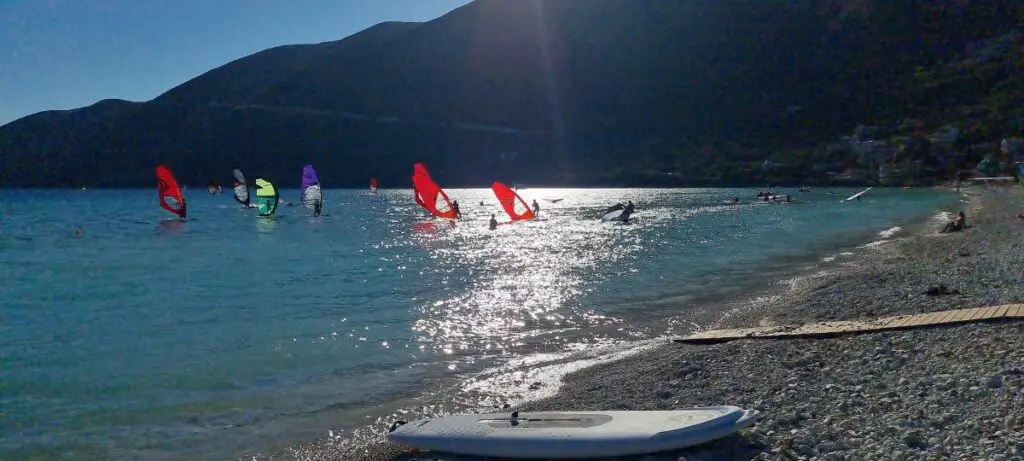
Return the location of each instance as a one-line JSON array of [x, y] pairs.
[[583, 434], [544, 421]]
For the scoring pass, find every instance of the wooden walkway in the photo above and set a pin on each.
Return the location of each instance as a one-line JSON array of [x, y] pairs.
[[826, 329]]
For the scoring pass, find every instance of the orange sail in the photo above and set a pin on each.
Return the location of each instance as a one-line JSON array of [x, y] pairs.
[[167, 188], [513, 204], [429, 195]]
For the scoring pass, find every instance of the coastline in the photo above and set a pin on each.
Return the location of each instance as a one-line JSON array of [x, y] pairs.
[[949, 392], [652, 379]]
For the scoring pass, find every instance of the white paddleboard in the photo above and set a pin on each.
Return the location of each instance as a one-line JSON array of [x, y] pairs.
[[858, 194], [579, 434]]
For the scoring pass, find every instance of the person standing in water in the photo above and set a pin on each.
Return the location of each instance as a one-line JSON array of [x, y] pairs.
[[455, 208], [536, 208], [494, 222]]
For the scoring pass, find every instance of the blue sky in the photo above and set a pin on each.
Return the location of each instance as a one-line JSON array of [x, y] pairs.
[[62, 54]]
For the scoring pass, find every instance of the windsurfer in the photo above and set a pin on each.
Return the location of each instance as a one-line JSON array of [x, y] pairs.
[[536, 208], [494, 222], [629, 208], [455, 208]]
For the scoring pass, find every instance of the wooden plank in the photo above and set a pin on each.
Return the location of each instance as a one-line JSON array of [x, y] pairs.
[[902, 320], [976, 314], [990, 312], [930, 319], [936, 318], [833, 328], [950, 315], [962, 315], [888, 323]]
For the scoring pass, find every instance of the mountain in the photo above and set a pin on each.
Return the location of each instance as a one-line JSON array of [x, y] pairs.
[[561, 92]]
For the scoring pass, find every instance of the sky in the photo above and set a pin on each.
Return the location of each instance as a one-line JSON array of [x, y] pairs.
[[63, 54]]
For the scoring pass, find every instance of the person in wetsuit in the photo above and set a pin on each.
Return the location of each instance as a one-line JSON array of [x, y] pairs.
[[536, 208], [455, 208], [494, 222], [629, 208]]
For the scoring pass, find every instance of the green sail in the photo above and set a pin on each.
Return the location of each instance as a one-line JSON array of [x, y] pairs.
[[266, 197]]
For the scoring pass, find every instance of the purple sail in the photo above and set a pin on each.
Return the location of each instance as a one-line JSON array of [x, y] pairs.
[[308, 177], [312, 197]]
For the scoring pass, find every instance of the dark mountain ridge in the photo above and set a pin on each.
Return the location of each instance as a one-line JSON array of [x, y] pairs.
[[561, 92]]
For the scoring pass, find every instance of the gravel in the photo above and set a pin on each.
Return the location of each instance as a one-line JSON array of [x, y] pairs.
[[933, 394]]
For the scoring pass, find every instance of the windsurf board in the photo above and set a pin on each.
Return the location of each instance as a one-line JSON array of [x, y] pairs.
[[582, 434]]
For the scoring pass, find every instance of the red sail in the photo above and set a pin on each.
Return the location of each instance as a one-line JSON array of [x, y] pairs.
[[429, 195], [373, 184], [167, 188], [513, 204]]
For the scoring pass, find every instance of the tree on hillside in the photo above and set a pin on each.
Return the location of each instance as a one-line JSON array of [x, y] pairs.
[[990, 166]]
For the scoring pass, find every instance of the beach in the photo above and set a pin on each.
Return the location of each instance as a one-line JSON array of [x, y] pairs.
[[950, 392]]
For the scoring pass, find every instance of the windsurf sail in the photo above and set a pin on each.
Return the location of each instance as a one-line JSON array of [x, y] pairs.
[[373, 185], [169, 193], [858, 194], [213, 187], [312, 197], [267, 197], [241, 188], [513, 204], [429, 195]]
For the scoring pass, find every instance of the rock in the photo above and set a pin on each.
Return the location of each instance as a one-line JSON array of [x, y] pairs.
[[913, 439]]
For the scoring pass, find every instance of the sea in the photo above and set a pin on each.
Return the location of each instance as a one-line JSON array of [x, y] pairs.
[[126, 334]]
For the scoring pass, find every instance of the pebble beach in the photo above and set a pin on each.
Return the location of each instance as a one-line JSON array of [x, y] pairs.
[[951, 392]]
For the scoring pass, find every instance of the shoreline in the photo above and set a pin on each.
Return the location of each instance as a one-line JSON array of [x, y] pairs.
[[367, 443], [950, 392]]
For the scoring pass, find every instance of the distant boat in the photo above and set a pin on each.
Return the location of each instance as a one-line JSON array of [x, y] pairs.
[[429, 195], [169, 193], [373, 185], [511, 202], [213, 187], [312, 196], [267, 197]]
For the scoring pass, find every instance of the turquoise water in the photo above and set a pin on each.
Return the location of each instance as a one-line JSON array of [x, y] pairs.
[[127, 335]]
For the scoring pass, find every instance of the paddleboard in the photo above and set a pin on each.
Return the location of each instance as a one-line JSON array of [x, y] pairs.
[[582, 434], [858, 194]]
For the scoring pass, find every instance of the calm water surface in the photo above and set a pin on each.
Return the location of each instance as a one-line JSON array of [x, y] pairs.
[[127, 335]]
